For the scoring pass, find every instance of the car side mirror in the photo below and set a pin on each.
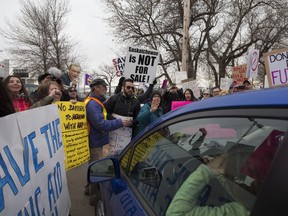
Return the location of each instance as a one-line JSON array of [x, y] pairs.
[[102, 170]]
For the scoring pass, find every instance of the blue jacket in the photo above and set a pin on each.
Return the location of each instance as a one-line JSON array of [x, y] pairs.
[[99, 127], [145, 117]]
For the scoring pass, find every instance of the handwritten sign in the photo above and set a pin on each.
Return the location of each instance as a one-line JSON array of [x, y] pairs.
[[141, 64], [74, 133], [120, 138], [33, 178], [142, 151], [191, 84], [119, 64], [276, 63], [225, 83], [239, 73]]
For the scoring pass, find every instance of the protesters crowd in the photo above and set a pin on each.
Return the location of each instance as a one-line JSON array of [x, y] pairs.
[[123, 109]]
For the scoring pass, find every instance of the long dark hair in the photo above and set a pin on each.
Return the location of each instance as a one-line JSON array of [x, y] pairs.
[[23, 90], [193, 98], [6, 105]]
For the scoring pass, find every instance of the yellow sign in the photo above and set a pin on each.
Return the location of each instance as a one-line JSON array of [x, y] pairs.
[[142, 150], [74, 133]]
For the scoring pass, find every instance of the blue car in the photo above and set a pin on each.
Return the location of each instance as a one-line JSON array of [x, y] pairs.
[[145, 177]]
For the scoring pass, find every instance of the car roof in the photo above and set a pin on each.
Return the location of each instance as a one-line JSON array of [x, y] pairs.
[[271, 97], [253, 98]]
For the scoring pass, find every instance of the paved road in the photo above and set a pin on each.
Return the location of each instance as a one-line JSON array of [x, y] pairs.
[[76, 178]]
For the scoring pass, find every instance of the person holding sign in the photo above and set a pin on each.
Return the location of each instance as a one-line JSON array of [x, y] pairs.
[[97, 119], [125, 103], [98, 125], [173, 94]]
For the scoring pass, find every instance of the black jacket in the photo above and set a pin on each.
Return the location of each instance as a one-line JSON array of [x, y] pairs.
[[124, 106]]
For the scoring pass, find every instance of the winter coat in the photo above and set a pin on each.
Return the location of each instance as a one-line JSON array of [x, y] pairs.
[[99, 127], [185, 200], [122, 105], [168, 97], [145, 117]]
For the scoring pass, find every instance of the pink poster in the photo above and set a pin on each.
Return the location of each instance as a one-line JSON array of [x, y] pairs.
[[177, 104]]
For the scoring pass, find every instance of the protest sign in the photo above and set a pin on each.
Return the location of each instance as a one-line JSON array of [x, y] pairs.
[[225, 83], [74, 133], [191, 84], [179, 77], [88, 79], [239, 73], [120, 138], [141, 64], [177, 104], [276, 63], [119, 64], [33, 178], [252, 63]]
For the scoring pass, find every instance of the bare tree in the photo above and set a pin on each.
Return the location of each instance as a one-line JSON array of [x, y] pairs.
[[239, 24], [107, 73], [221, 31], [37, 38]]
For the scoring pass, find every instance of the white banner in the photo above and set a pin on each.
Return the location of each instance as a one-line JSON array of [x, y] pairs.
[[252, 63], [33, 178], [119, 64], [141, 64]]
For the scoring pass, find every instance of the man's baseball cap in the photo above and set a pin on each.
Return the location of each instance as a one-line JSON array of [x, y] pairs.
[[43, 76], [98, 81]]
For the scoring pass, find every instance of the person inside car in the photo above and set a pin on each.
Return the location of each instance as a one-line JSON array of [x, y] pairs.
[[222, 167]]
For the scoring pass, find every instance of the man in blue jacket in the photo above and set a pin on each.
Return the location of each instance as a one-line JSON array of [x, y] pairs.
[[98, 124]]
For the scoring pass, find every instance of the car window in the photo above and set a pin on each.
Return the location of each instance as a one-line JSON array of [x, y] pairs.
[[161, 162]]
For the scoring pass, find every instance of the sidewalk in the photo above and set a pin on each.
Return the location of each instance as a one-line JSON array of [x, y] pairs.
[[76, 179]]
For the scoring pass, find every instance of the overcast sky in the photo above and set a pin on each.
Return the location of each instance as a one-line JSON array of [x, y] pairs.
[[85, 25]]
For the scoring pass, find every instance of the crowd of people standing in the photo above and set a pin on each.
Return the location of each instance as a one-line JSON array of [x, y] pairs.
[[123, 109]]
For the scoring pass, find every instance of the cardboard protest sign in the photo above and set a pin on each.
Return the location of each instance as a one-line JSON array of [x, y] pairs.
[[276, 64], [119, 64], [191, 84], [74, 133], [252, 63], [225, 83], [120, 138], [33, 178], [141, 64], [179, 77], [239, 73]]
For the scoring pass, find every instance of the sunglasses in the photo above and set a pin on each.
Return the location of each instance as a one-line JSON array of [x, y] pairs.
[[130, 87], [73, 91]]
